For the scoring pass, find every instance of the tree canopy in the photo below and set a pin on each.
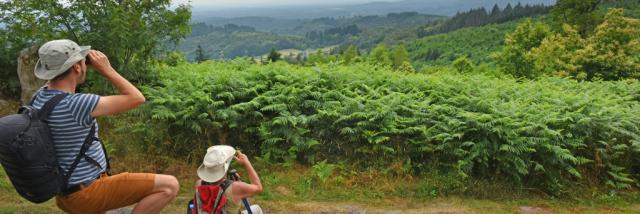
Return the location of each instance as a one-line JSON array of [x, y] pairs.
[[129, 32]]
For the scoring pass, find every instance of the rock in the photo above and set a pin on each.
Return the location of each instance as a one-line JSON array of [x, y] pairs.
[[354, 210], [28, 80], [284, 190], [124, 210], [531, 210]]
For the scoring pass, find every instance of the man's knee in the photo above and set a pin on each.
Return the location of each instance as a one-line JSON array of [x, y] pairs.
[[168, 184]]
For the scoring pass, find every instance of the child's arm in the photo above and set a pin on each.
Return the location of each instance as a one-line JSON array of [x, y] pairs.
[[242, 189]]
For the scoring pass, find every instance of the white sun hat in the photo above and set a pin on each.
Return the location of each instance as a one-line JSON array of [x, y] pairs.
[[216, 163], [57, 56]]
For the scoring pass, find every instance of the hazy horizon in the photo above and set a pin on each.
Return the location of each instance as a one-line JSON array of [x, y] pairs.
[[204, 10], [270, 3]]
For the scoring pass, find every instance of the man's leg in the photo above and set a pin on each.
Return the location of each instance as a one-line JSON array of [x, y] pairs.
[[164, 191]]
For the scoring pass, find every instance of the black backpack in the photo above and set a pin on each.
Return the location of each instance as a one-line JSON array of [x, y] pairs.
[[28, 155]]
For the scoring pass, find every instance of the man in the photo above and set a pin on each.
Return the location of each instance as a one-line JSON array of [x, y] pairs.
[[90, 190]]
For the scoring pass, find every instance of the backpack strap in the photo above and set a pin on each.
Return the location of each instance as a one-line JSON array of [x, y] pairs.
[[46, 109], [43, 114], [224, 185], [106, 157], [196, 203], [82, 154]]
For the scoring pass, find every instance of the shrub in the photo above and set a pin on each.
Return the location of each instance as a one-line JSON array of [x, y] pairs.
[[543, 133]]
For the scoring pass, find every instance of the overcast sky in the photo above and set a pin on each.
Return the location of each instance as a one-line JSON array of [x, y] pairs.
[[262, 3]]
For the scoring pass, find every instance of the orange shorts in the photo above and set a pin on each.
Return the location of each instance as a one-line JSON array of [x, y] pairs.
[[108, 193]]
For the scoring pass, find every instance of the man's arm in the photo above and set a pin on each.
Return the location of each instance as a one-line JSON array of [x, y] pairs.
[[129, 97]]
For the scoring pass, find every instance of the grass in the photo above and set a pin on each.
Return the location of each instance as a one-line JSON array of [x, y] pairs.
[[296, 190]]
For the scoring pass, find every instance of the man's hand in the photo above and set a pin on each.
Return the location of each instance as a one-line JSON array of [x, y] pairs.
[[129, 97], [100, 62]]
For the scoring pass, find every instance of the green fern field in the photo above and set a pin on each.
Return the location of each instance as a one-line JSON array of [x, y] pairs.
[[547, 133]]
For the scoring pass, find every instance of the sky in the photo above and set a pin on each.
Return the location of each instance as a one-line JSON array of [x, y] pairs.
[[265, 3]]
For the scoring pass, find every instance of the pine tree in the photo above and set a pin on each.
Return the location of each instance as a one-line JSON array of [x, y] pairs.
[[273, 55], [200, 56]]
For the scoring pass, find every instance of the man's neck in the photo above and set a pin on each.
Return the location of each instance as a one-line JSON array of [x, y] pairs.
[[65, 85]]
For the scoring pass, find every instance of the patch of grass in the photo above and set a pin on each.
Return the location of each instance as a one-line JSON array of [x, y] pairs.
[[5, 183], [10, 107]]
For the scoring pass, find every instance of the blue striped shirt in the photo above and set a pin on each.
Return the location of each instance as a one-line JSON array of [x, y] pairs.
[[70, 123]]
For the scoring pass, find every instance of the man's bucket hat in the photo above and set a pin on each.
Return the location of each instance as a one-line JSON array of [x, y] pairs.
[[58, 56], [216, 163]]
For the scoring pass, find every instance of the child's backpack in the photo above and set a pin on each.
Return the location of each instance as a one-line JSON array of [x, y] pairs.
[[209, 198]]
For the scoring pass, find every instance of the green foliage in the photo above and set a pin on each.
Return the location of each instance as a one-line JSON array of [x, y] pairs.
[[476, 43], [399, 56], [609, 53], [350, 55], [480, 16], [463, 65], [323, 170], [613, 51], [129, 32], [543, 134], [406, 67], [175, 58], [379, 56], [578, 13], [555, 54], [514, 59], [319, 58]]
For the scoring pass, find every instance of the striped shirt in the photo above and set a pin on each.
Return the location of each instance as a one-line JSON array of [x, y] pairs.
[[70, 123]]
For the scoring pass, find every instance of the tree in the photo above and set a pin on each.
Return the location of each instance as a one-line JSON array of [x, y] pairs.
[[406, 67], [200, 57], [129, 32], [463, 65], [514, 59], [175, 58], [350, 55], [380, 56], [400, 55], [611, 53], [556, 53], [273, 55], [316, 58], [576, 12]]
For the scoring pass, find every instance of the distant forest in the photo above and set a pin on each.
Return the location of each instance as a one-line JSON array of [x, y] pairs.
[[480, 17], [250, 37]]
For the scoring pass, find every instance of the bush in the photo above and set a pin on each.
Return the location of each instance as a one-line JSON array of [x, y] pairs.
[[542, 133]]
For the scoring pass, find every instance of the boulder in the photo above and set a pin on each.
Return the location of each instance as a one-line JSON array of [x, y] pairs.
[[29, 83]]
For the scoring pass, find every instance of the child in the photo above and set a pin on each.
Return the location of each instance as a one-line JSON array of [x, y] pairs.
[[215, 193]]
